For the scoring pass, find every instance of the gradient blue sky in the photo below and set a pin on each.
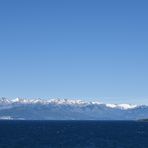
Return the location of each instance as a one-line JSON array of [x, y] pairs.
[[74, 49]]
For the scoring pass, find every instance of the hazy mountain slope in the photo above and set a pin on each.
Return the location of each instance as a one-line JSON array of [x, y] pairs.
[[63, 109]]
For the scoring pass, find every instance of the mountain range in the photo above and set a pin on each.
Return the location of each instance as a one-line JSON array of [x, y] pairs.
[[68, 109]]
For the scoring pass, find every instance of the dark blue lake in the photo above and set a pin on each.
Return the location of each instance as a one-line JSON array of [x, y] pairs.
[[73, 134]]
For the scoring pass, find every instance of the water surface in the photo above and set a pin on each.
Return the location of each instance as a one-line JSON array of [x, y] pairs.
[[73, 134]]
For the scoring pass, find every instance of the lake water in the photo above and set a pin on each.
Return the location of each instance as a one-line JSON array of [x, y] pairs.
[[73, 134]]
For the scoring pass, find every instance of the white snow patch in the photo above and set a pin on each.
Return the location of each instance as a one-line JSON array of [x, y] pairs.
[[5, 118]]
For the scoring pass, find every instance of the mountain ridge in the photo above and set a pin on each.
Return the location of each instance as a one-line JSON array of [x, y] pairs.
[[66, 102], [68, 109]]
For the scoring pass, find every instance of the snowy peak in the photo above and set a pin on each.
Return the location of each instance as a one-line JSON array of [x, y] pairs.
[[48, 101], [72, 102], [122, 106]]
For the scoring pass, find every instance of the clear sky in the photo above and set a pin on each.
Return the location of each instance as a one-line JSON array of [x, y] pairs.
[[74, 49]]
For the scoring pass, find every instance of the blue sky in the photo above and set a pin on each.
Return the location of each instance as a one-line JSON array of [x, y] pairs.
[[74, 49]]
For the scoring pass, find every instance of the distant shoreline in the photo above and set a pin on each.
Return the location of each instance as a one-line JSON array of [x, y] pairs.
[[71, 120], [143, 120]]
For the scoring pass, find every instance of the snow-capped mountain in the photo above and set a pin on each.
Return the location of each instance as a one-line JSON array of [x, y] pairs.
[[68, 109]]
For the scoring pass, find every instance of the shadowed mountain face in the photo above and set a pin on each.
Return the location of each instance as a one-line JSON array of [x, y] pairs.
[[63, 109]]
